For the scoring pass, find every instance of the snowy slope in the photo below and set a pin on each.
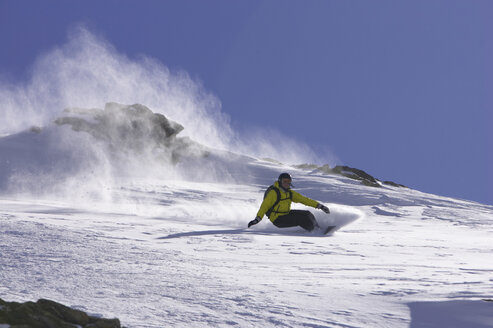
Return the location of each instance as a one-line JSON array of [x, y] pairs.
[[168, 247]]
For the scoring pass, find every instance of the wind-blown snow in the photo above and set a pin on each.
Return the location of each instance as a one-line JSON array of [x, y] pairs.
[[88, 72]]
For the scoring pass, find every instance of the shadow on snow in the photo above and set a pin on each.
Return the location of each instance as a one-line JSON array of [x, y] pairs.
[[244, 231]]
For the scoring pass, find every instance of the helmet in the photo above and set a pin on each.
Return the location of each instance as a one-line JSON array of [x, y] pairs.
[[283, 176]]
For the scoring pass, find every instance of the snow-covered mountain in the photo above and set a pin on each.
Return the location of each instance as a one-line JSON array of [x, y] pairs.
[[108, 214]]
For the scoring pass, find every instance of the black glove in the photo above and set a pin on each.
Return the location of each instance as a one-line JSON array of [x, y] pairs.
[[323, 208], [255, 221]]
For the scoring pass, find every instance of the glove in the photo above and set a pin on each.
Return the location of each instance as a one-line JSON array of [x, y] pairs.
[[323, 208], [255, 221]]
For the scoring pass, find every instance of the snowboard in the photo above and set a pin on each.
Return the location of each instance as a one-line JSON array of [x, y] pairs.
[[329, 229]]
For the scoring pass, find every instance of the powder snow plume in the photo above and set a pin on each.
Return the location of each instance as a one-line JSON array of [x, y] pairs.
[[88, 72]]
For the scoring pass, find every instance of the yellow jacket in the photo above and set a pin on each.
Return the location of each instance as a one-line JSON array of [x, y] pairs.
[[284, 206]]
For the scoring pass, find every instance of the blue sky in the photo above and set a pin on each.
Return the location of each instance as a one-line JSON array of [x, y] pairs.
[[400, 89]]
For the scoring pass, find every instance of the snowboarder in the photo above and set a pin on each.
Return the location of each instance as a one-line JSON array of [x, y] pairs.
[[277, 206]]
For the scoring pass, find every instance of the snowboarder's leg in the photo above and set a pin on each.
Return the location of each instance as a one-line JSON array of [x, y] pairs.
[[286, 221], [304, 219]]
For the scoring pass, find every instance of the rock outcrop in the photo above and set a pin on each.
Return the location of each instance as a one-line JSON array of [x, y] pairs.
[[349, 172], [122, 123], [132, 128], [49, 314]]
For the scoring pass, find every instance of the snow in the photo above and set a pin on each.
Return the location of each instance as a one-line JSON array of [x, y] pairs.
[[174, 250]]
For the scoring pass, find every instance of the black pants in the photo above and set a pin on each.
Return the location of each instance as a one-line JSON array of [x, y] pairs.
[[304, 219]]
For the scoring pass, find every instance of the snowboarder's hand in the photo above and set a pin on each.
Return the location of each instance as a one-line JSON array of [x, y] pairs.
[[323, 208], [255, 221]]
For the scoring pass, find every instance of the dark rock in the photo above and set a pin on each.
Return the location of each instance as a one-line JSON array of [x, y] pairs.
[[133, 129], [359, 174], [66, 313], [370, 183], [131, 126], [349, 172], [49, 314], [35, 129], [355, 174], [103, 323]]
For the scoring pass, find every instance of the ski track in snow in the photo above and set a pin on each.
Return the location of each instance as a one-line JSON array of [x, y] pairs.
[[178, 254]]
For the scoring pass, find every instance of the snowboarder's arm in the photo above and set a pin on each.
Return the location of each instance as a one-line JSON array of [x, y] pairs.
[[269, 200], [299, 198]]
